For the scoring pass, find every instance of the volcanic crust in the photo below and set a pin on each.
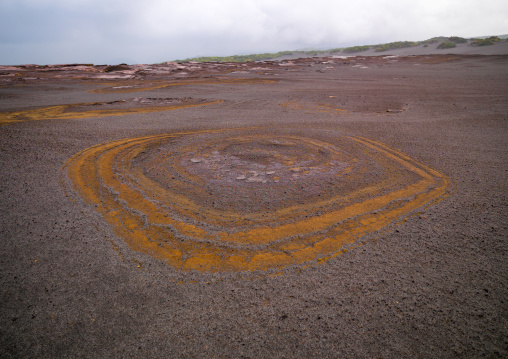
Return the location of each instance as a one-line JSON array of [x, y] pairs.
[[314, 207]]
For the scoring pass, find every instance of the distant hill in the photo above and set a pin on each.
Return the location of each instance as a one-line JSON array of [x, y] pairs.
[[436, 43], [502, 37]]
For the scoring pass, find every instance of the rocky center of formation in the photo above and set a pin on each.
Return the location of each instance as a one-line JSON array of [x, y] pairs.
[[251, 174]]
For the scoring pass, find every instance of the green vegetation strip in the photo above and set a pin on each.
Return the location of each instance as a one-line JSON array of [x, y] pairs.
[[445, 43]]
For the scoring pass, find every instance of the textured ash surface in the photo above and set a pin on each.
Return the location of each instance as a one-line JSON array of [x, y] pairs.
[[433, 286]]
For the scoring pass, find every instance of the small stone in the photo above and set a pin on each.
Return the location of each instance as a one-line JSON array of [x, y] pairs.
[[196, 160], [256, 179], [242, 177]]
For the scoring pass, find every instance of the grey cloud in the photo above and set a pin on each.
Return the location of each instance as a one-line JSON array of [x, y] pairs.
[[157, 30]]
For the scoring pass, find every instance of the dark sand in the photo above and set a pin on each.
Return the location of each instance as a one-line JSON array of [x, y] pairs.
[[432, 286]]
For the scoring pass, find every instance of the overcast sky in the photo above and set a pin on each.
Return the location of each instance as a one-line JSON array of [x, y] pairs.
[[151, 31]]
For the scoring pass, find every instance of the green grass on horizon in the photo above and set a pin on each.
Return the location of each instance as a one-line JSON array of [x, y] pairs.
[[354, 49], [256, 57]]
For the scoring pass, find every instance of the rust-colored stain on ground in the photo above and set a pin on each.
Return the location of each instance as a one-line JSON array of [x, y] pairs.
[[294, 105], [139, 86], [95, 109], [244, 199]]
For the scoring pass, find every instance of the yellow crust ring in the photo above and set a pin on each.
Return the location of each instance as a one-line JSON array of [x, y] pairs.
[[243, 200]]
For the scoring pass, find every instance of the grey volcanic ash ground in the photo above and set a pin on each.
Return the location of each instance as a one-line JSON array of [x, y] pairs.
[[431, 285]]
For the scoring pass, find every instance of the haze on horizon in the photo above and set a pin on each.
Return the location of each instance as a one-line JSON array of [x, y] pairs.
[[152, 31]]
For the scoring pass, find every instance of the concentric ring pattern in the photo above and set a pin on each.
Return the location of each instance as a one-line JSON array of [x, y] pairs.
[[239, 200]]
